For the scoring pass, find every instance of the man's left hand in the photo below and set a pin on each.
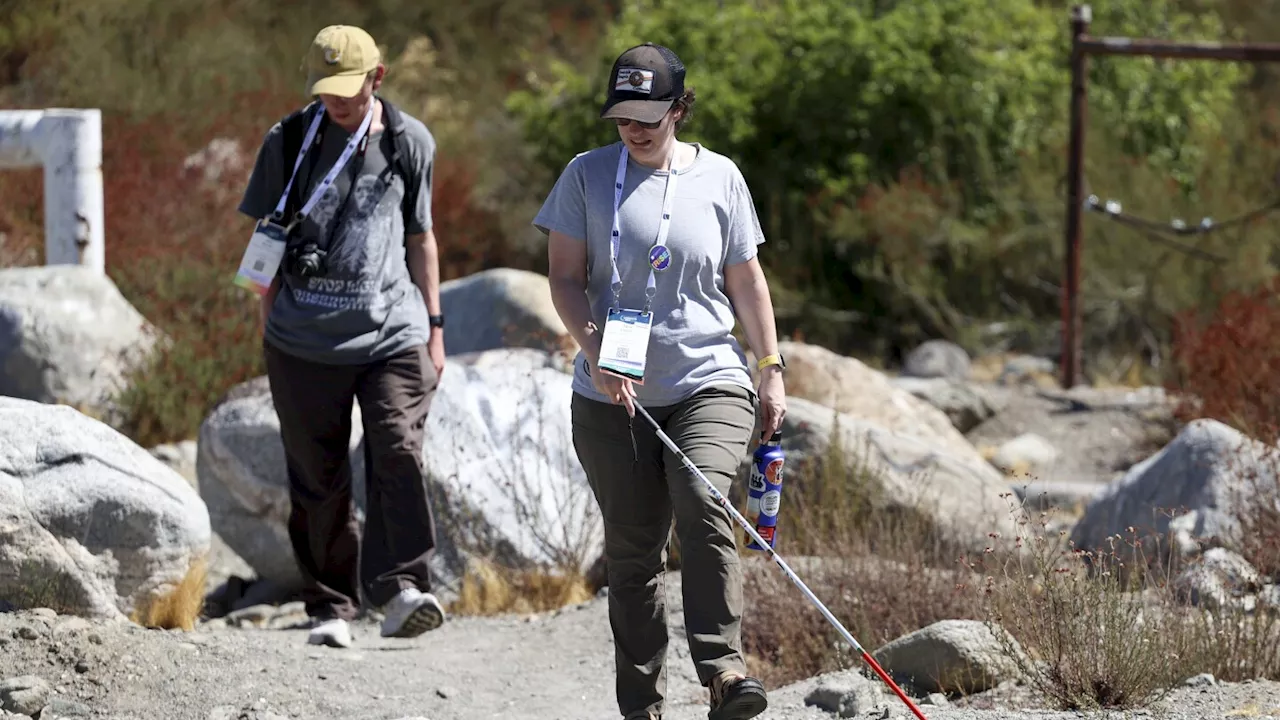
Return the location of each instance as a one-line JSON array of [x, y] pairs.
[[435, 347], [773, 401]]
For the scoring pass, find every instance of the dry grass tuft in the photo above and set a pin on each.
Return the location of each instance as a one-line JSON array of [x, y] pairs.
[[180, 607], [488, 589]]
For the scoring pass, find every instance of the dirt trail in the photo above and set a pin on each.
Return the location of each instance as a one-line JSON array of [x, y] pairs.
[[552, 666]]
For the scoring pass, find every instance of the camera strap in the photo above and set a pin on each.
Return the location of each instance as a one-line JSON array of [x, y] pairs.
[[356, 140]]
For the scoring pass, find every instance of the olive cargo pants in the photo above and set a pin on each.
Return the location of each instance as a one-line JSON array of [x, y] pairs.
[[639, 485], [314, 402]]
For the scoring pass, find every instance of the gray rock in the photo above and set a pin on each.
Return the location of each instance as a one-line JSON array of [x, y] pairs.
[[847, 694], [67, 335], [25, 695], [1027, 453], [89, 522], [950, 656], [179, 456], [960, 492], [1217, 579], [1208, 469], [1201, 680], [965, 404], [59, 708], [936, 700], [937, 358], [502, 308]]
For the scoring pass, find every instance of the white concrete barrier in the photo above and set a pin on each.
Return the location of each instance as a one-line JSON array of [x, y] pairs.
[[68, 144]]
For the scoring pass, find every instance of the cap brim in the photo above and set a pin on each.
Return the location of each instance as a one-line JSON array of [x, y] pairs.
[[341, 85], [648, 111]]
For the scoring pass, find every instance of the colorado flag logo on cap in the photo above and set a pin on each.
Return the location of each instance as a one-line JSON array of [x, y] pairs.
[[634, 80]]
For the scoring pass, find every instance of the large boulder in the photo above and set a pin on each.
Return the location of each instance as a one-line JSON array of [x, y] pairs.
[[848, 385], [1190, 492], [90, 523], [958, 492], [502, 308], [918, 456], [67, 336], [504, 480]]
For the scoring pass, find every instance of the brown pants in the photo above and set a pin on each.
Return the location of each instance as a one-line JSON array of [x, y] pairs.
[[640, 485], [314, 404]]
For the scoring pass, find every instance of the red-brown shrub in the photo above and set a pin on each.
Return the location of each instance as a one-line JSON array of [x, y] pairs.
[[1228, 363]]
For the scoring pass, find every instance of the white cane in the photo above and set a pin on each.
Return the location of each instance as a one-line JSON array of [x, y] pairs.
[[782, 564]]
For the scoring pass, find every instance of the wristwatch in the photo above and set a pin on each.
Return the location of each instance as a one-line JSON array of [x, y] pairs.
[[775, 359], [436, 320]]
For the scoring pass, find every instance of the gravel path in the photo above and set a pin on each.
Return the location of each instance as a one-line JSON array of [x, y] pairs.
[[552, 666]]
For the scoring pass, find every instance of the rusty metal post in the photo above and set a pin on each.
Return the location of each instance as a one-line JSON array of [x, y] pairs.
[[1072, 323]]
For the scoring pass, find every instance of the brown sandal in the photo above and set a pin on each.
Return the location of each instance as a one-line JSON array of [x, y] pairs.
[[736, 697]]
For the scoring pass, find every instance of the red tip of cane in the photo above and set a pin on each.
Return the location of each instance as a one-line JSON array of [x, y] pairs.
[[894, 686]]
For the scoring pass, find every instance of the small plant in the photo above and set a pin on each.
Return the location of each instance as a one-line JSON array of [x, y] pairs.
[[178, 607], [491, 589], [1088, 634]]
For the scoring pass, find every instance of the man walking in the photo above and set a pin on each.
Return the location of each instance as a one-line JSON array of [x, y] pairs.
[[353, 314]]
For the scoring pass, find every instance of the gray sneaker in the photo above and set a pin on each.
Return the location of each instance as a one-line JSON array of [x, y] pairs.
[[411, 613]]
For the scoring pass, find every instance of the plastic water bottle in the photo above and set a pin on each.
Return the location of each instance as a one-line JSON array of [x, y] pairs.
[[764, 491]]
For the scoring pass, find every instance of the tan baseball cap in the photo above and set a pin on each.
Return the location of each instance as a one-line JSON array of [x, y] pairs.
[[339, 59]]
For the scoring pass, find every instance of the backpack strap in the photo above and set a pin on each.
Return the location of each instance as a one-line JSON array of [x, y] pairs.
[[400, 157]]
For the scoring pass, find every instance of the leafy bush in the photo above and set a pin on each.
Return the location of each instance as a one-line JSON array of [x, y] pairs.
[[840, 113]]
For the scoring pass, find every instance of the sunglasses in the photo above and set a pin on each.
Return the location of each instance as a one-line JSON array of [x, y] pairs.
[[623, 122]]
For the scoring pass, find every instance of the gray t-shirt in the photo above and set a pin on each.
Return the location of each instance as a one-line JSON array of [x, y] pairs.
[[365, 306], [713, 225]]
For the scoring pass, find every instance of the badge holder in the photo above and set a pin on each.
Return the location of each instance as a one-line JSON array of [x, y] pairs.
[[625, 343], [262, 258]]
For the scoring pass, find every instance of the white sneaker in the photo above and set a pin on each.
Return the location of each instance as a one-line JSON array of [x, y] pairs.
[[334, 633], [410, 613]]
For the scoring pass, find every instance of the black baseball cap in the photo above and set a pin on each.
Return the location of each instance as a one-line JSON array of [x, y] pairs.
[[645, 82]]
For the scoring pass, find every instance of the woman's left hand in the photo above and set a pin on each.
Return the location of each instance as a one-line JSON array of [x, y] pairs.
[[773, 401]]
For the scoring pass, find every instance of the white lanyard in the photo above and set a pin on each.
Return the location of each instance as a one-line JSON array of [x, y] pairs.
[[659, 249], [333, 172]]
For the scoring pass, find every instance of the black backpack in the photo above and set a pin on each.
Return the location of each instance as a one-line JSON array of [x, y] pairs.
[[294, 127]]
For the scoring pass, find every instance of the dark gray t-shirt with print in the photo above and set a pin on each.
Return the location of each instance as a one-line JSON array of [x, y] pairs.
[[365, 306], [713, 225]]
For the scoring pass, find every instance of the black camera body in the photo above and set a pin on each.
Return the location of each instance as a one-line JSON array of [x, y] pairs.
[[307, 259], [303, 255]]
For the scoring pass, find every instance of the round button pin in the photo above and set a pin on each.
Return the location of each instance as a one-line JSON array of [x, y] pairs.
[[660, 257]]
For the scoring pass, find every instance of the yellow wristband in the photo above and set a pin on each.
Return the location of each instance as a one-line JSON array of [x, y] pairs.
[[768, 360]]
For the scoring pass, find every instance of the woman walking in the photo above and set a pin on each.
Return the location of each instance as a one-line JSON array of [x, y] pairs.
[[652, 249]]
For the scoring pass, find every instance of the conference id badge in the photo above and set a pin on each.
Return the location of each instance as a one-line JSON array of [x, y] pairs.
[[625, 344], [262, 258]]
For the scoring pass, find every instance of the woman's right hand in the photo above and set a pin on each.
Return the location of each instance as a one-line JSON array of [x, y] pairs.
[[619, 390]]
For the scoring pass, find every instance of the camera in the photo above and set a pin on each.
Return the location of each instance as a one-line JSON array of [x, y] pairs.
[[307, 259]]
